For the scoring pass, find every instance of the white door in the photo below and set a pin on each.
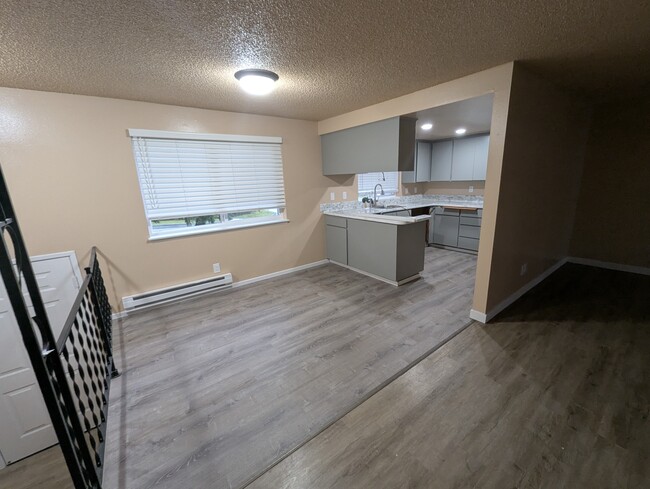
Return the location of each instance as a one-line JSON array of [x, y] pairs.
[[25, 426]]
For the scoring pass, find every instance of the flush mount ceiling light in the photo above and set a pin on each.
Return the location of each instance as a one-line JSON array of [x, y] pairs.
[[461, 130], [426, 127], [257, 82]]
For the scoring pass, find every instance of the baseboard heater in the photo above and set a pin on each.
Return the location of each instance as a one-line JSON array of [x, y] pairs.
[[176, 292]]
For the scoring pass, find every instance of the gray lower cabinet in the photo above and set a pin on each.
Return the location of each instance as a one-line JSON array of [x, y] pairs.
[[456, 228], [386, 250], [441, 155], [445, 227], [336, 237], [387, 145]]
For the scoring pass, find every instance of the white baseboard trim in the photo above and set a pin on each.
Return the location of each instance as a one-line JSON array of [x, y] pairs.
[[485, 317], [119, 315], [268, 276], [481, 317], [377, 277], [609, 265]]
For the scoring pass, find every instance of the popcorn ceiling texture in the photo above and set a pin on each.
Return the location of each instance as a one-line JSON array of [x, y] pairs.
[[332, 56]]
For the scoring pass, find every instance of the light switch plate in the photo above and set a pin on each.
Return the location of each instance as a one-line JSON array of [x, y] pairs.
[[471, 189], [345, 195], [332, 196], [216, 267]]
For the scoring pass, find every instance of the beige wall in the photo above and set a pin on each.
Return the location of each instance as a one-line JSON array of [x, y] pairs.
[[72, 177], [540, 179], [613, 217]]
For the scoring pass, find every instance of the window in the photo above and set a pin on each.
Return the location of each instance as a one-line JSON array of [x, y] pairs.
[[194, 183], [367, 182]]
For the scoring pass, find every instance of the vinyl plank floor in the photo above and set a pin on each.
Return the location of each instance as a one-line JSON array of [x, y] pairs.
[[216, 389], [554, 393]]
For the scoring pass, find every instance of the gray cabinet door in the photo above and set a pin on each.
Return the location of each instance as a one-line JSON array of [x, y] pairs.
[[387, 145], [337, 244], [423, 161], [481, 157], [445, 230], [441, 154], [462, 167]]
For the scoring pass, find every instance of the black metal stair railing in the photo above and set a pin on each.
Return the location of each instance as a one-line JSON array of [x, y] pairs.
[[73, 371]]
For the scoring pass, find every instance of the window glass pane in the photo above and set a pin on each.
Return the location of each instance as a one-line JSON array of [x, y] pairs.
[[238, 216], [158, 225], [367, 182]]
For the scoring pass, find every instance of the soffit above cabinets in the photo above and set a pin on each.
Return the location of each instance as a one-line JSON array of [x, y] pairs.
[[332, 57]]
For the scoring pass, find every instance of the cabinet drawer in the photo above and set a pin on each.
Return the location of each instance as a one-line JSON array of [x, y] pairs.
[[471, 212], [339, 222], [445, 211], [468, 243], [470, 221], [469, 231]]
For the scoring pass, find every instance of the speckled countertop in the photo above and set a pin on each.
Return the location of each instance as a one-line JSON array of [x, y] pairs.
[[355, 210], [410, 202]]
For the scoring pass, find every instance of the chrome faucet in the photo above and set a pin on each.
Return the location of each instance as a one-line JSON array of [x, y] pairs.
[[374, 194]]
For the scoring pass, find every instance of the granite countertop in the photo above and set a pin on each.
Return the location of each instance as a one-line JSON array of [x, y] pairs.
[[376, 215], [406, 203]]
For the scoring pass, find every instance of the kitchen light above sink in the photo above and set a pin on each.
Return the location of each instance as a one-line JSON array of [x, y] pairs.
[[427, 126], [257, 82], [460, 131]]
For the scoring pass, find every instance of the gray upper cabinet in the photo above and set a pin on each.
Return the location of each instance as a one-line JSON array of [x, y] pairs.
[[422, 171], [423, 161], [441, 155], [387, 145], [481, 157], [462, 166], [469, 161]]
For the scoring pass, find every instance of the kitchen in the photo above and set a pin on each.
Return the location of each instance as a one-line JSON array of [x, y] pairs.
[[387, 230]]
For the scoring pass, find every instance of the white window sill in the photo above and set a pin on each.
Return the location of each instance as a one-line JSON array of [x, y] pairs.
[[208, 230]]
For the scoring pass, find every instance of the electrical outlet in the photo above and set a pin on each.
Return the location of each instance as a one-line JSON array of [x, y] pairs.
[[216, 267], [471, 189], [406, 191], [415, 190], [524, 269], [332, 196], [345, 195]]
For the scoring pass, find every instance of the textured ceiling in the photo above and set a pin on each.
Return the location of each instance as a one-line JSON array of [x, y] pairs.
[[474, 114], [332, 56]]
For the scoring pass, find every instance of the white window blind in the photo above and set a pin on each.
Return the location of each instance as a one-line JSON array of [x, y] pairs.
[[208, 180], [367, 182], [183, 175]]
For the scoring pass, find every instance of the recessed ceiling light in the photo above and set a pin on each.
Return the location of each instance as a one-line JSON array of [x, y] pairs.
[[257, 82], [426, 127], [461, 130]]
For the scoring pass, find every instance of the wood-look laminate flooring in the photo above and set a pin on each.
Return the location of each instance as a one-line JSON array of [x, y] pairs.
[[555, 393], [216, 389]]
